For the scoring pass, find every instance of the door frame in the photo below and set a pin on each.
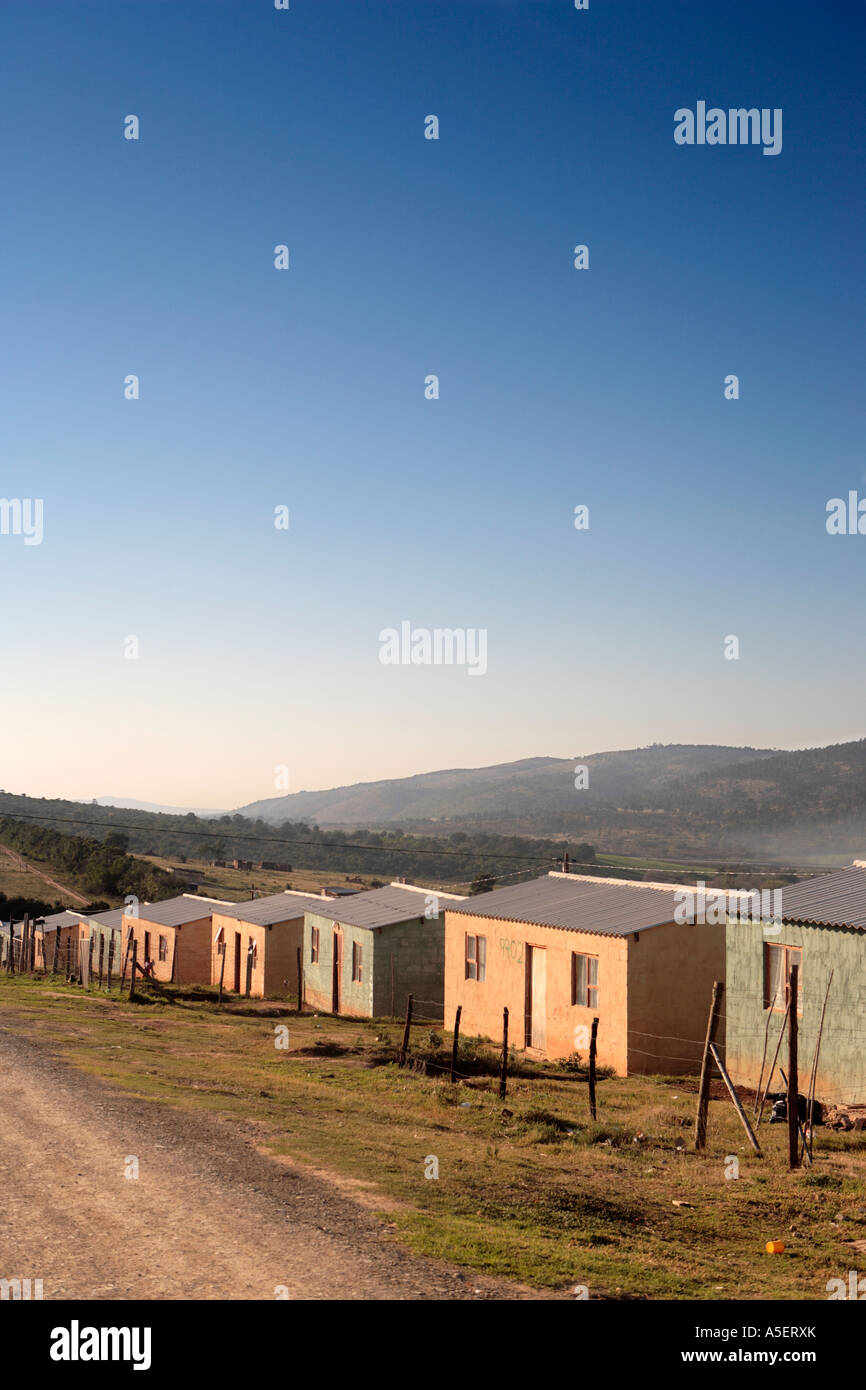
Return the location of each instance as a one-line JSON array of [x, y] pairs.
[[527, 1014]]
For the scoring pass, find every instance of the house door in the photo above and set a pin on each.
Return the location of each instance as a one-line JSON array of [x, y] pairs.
[[147, 946], [237, 972], [337, 942], [536, 997]]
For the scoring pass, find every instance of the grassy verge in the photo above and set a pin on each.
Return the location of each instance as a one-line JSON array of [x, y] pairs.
[[529, 1187]]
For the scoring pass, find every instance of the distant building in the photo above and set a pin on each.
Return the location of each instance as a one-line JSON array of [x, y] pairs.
[[66, 929], [245, 865], [10, 939], [275, 867], [340, 891], [105, 930], [192, 877]]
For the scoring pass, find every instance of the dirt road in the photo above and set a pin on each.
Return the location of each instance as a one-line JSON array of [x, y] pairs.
[[207, 1217], [26, 867]]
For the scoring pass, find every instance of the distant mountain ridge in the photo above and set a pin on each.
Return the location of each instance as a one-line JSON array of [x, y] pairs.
[[704, 803], [667, 799], [529, 787], [128, 804]]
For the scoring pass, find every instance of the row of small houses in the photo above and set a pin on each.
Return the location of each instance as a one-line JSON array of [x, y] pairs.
[[557, 951]]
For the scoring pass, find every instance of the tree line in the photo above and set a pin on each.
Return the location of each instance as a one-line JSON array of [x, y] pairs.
[[101, 866], [102, 853]]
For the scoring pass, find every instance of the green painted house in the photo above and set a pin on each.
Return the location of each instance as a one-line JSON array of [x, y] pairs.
[[363, 955], [819, 925], [104, 930]]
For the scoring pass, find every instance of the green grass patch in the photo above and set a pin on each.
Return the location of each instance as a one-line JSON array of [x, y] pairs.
[[529, 1187]]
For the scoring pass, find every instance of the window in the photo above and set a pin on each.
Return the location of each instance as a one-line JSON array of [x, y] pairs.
[[314, 945], [356, 962], [778, 961], [163, 948], [584, 980], [476, 958]]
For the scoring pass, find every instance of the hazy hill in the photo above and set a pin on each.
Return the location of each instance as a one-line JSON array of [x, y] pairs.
[[127, 803], [680, 802], [540, 790], [665, 800]]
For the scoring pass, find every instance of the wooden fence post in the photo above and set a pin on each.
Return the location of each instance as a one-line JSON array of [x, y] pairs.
[[764, 1056], [125, 958], [10, 959], [704, 1088], [793, 1091], [735, 1098], [222, 951], [56, 951], [455, 1043], [404, 1050], [593, 1041], [503, 1069], [109, 961], [770, 1073], [133, 970], [814, 1072], [804, 1153]]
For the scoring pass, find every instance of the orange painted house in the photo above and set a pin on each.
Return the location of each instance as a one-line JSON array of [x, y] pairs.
[[269, 930], [175, 936], [67, 929], [564, 949]]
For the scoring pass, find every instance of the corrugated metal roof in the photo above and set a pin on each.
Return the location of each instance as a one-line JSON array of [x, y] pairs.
[[175, 912], [277, 907], [378, 907], [63, 919], [599, 907], [832, 900], [112, 918]]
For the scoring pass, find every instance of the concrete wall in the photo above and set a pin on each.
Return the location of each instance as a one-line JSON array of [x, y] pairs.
[[671, 970], [842, 1062], [505, 986], [356, 998], [396, 960], [410, 959]]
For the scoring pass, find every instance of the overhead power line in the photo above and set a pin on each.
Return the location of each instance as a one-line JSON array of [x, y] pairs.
[[225, 833]]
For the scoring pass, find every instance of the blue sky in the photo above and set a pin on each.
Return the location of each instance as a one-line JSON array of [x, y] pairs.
[[260, 648]]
